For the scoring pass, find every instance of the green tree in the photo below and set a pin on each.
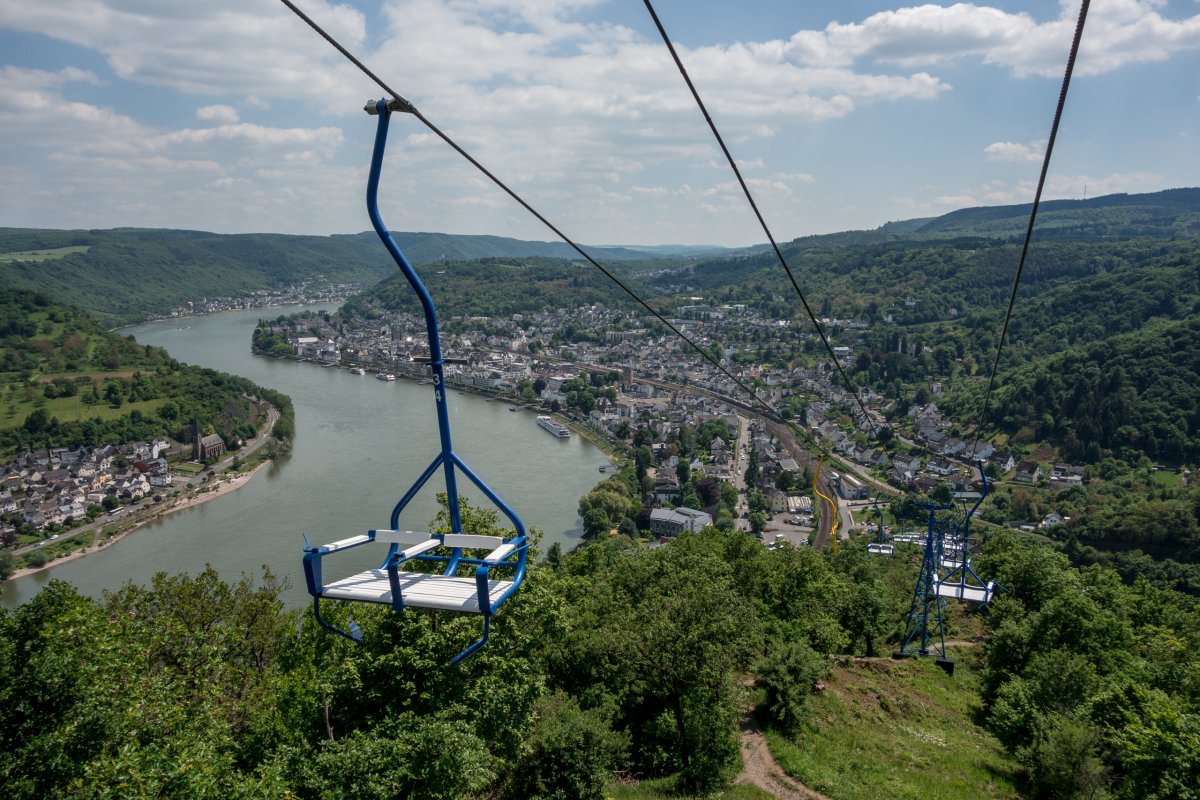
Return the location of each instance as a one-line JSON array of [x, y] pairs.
[[570, 754], [37, 421], [752, 468], [612, 504], [684, 622], [642, 459], [683, 470], [595, 523], [787, 676]]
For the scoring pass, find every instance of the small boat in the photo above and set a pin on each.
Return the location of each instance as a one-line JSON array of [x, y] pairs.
[[357, 371], [512, 408], [385, 376]]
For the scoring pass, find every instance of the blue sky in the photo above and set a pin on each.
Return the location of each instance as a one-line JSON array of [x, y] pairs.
[[232, 116]]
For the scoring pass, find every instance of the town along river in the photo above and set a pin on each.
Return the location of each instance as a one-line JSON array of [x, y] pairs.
[[360, 443]]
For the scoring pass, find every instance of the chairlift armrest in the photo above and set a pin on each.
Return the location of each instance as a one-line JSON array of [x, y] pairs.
[[418, 549], [342, 544], [501, 552]]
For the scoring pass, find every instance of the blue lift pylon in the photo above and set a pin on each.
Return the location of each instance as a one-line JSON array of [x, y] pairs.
[[444, 590], [923, 631]]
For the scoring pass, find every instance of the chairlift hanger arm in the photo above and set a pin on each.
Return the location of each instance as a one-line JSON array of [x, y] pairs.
[[388, 585]]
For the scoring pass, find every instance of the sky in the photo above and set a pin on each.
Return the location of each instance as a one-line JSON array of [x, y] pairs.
[[233, 116]]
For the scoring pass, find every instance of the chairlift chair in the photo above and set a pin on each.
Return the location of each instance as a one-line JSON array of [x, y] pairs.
[[961, 582], [390, 584], [882, 544]]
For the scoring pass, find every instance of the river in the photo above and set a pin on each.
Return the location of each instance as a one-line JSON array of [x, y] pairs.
[[360, 442]]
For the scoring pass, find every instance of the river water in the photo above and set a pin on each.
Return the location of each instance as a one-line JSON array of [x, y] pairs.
[[360, 443]]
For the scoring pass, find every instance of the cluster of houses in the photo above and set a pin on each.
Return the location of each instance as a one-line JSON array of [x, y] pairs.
[[58, 485], [396, 342], [952, 460], [317, 290], [501, 353]]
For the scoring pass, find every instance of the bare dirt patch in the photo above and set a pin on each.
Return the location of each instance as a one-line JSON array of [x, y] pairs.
[[759, 767]]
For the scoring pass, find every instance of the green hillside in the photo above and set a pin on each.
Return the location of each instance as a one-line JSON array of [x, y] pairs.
[[610, 661], [126, 274], [66, 382], [1172, 212], [433, 248], [500, 287], [1134, 391]]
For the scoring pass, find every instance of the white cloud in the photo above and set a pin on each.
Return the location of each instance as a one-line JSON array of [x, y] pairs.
[[217, 113], [1075, 186], [83, 165], [1058, 187], [1013, 152], [214, 47], [553, 101], [951, 201], [1118, 32], [794, 177]]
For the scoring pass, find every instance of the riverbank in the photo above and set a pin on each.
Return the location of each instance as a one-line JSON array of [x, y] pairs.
[[99, 542], [610, 449], [102, 538]]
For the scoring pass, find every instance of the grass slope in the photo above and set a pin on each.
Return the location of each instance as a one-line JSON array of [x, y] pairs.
[[665, 789], [897, 730]]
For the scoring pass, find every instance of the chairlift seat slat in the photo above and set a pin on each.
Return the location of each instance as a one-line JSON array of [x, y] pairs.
[[966, 592], [400, 537], [419, 590], [473, 541]]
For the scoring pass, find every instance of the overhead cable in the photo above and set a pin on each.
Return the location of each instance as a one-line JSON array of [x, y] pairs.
[[401, 104], [762, 222], [1037, 198]]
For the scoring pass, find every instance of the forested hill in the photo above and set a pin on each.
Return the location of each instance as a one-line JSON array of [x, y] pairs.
[[125, 275], [500, 287], [431, 248], [1169, 213], [66, 382], [1136, 390]]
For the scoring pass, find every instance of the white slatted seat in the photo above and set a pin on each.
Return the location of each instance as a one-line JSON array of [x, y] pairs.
[[967, 592], [419, 590]]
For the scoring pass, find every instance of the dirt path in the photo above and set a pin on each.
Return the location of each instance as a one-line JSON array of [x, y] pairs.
[[759, 767]]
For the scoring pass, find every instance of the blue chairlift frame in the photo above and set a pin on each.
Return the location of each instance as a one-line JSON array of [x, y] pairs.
[[512, 552], [960, 577], [882, 544]]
